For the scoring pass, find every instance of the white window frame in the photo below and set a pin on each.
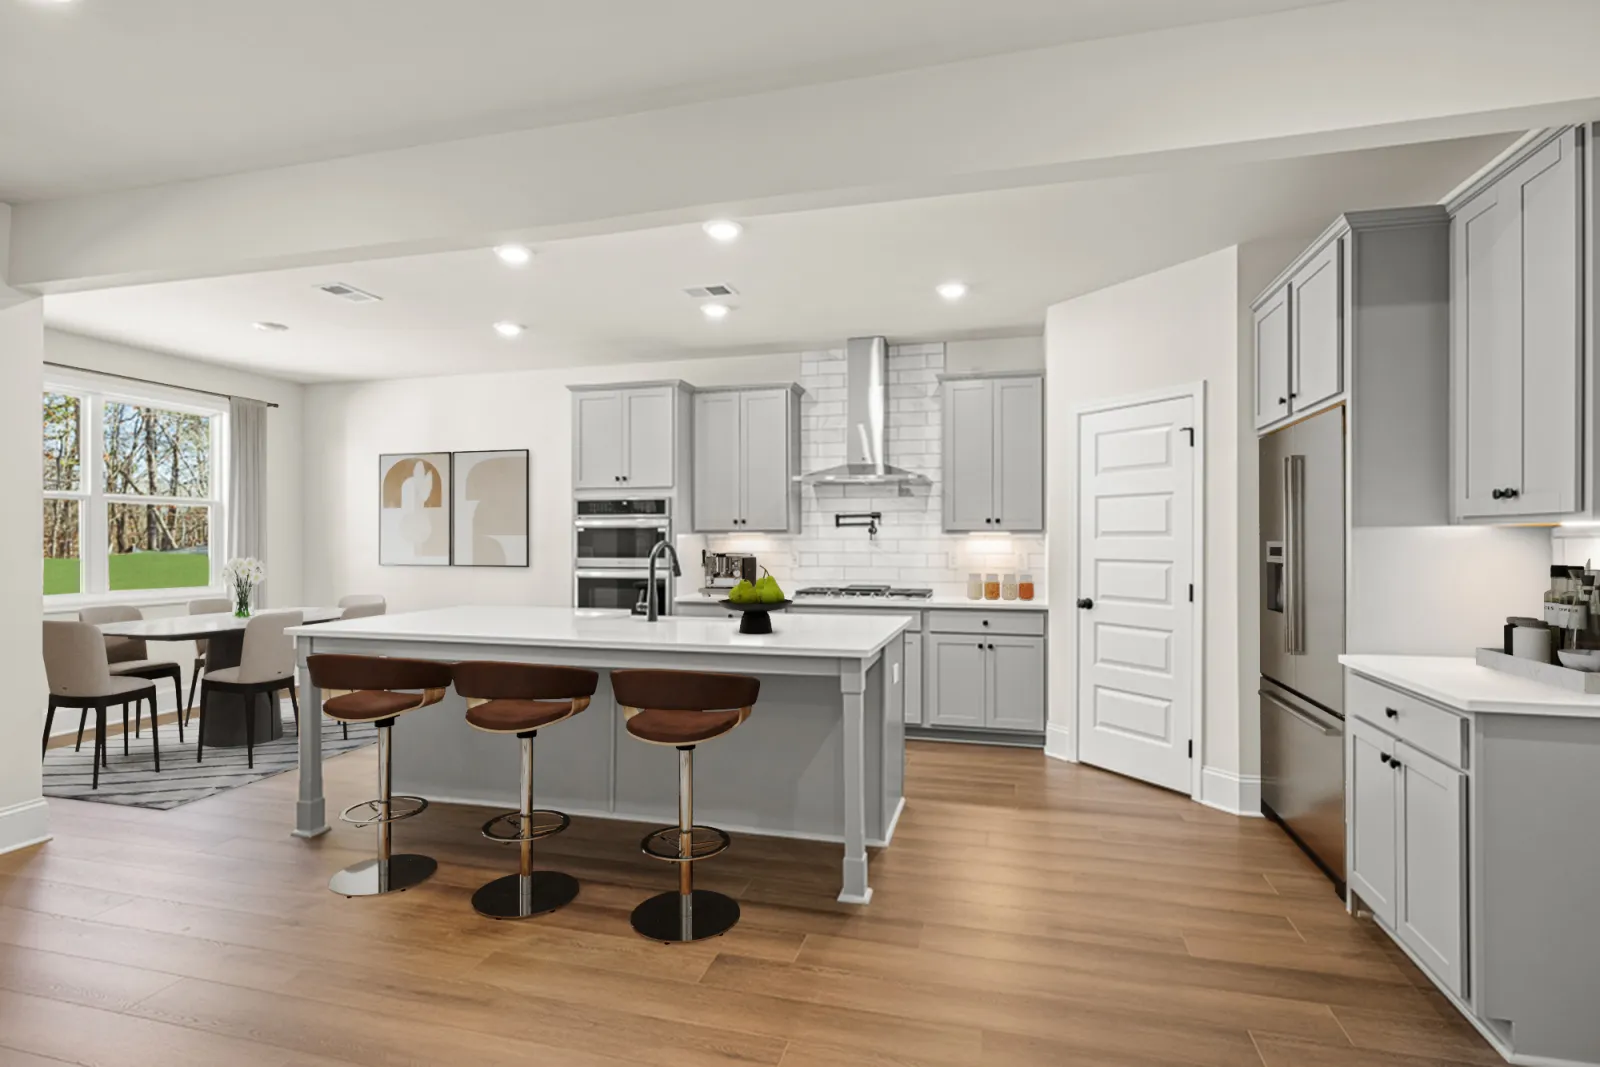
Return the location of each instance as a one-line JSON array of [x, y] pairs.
[[93, 392]]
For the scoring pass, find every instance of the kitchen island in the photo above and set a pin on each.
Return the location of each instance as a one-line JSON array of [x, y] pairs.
[[822, 757]]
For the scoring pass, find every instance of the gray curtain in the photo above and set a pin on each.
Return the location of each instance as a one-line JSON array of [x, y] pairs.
[[247, 483]]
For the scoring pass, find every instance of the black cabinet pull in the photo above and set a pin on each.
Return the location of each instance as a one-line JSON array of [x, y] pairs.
[[1384, 756], [1509, 494], [1085, 603], [1396, 764], [1283, 401], [1497, 493], [1393, 714]]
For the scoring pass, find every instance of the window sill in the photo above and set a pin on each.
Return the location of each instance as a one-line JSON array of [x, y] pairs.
[[66, 603]]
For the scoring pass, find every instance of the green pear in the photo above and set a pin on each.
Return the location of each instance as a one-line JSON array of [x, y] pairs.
[[743, 593], [770, 593]]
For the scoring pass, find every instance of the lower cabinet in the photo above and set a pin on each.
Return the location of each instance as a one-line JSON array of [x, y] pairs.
[[985, 682], [956, 691]]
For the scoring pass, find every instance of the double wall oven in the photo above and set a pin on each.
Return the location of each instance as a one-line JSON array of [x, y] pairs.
[[612, 541]]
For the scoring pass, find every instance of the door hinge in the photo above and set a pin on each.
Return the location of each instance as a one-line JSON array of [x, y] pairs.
[[1191, 592], [1190, 431], [1191, 750]]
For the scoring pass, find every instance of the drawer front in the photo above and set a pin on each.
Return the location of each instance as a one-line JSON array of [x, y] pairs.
[[1019, 623], [1432, 729]]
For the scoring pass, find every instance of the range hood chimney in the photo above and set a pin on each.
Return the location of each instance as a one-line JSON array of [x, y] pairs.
[[866, 407]]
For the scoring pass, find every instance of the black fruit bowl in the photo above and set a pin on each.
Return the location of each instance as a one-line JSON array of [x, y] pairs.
[[757, 617]]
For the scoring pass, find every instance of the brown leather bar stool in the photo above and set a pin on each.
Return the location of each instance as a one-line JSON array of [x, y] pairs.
[[367, 689], [682, 709], [520, 699]]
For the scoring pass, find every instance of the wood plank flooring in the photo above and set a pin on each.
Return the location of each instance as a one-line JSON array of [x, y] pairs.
[[1028, 913]]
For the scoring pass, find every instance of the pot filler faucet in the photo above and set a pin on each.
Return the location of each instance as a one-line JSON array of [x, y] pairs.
[[651, 614]]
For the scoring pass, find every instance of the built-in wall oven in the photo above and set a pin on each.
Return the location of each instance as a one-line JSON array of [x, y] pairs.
[[612, 541]]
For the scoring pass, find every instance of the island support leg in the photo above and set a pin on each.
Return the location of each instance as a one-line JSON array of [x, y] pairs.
[[310, 815], [853, 686]]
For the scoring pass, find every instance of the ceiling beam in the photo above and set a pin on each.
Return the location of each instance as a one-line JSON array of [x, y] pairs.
[[1353, 74]]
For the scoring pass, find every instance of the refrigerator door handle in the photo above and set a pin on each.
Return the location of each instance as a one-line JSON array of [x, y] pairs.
[[1294, 483], [1295, 712]]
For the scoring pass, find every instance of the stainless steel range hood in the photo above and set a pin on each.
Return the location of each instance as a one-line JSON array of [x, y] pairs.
[[867, 404]]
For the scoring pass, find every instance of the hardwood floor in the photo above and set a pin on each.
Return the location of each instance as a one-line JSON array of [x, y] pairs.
[[1028, 913]]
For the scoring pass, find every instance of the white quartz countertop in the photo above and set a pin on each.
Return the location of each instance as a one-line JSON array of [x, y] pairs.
[[793, 635], [937, 603], [1458, 682]]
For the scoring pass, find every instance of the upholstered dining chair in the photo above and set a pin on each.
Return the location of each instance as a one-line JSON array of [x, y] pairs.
[[266, 667], [79, 674], [360, 606], [129, 658], [214, 605]]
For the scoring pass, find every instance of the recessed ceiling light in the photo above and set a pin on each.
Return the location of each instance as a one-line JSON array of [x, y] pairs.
[[265, 327], [723, 230], [715, 311], [513, 255], [953, 290], [508, 329]]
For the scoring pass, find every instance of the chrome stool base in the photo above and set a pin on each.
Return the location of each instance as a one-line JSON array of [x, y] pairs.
[[518, 897], [673, 918], [371, 878]]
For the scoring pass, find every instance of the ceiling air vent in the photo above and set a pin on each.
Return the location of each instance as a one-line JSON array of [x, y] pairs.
[[700, 292], [350, 293]]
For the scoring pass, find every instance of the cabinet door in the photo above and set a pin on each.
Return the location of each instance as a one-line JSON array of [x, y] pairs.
[[716, 462], [1373, 792], [1272, 359], [597, 437], [969, 499], [765, 486], [648, 438], [1431, 886], [1316, 318], [956, 686], [913, 673], [1486, 372], [1019, 454], [1016, 684]]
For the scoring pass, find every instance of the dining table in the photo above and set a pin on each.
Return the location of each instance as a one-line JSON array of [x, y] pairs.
[[223, 633]]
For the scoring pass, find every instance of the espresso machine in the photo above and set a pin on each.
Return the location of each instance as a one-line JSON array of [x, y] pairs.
[[724, 570]]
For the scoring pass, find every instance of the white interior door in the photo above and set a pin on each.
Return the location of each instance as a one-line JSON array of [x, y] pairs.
[[1136, 544]]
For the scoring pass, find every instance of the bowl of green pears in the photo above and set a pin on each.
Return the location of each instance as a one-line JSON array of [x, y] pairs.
[[757, 600]]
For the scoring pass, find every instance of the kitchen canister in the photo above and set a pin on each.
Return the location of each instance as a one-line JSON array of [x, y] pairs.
[[991, 587], [1528, 642], [1008, 587], [974, 587]]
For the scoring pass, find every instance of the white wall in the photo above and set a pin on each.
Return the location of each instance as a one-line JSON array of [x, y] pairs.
[[1168, 329], [995, 354]]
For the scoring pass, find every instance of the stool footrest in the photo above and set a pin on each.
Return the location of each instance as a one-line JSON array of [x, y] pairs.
[[666, 844], [400, 807], [507, 826]]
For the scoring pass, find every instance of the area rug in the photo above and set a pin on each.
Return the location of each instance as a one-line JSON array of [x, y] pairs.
[[132, 779]]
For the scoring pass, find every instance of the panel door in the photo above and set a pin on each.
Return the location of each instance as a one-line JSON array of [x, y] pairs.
[[1272, 359], [1373, 819], [1486, 370], [1135, 563], [1019, 454], [598, 438], [647, 415], [764, 453], [913, 669], [956, 685], [1316, 316], [1431, 886], [969, 499], [1016, 683], [717, 473]]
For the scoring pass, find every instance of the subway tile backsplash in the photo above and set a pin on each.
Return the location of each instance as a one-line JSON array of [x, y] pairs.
[[910, 548]]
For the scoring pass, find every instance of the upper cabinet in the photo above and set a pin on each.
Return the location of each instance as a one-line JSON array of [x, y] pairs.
[[629, 437], [993, 453], [1299, 336], [1519, 358], [746, 457]]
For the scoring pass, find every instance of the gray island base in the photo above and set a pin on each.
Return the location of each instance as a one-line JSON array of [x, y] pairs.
[[822, 757]]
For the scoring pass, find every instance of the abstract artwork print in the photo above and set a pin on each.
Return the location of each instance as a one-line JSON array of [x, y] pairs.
[[414, 509], [490, 505]]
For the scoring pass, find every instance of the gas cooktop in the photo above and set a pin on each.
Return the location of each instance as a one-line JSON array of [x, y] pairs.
[[879, 591]]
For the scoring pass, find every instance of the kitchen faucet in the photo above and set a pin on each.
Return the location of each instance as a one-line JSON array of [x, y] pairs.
[[651, 613]]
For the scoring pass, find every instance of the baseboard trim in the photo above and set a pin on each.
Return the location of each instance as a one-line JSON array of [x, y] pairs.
[[1058, 743], [24, 824], [1236, 794]]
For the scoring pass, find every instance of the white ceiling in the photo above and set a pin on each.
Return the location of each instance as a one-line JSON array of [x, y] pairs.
[[105, 94], [804, 278]]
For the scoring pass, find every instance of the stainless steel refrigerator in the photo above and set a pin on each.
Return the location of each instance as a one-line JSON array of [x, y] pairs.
[[1302, 635]]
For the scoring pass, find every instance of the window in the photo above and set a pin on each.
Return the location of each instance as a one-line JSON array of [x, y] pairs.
[[132, 494]]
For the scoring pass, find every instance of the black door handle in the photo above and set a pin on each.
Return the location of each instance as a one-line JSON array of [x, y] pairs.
[[1085, 603]]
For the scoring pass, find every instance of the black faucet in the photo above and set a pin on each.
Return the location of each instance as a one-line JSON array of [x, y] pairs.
[[651, 614]]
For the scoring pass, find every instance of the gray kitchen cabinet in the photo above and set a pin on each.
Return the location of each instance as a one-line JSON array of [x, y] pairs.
[[1430, 889], [957, 683], [746, 456], [1517, 345], [1316, 321], [993, 453], [913, 670], [1373, 791], [597, 440], [627, 437], [1272, 358], [648, 435], [1015, 684]]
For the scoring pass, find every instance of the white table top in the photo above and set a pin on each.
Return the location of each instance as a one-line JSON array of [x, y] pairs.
[[881, 603], [189, 627], [1458, 682], [793, 635]]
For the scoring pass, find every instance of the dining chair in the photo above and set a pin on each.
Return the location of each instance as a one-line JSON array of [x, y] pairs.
[[129, 658], [266, 666], [79, 675], [360, 606], [214, 605]]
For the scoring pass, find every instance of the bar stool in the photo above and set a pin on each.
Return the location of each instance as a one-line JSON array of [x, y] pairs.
[[521, 698], [682, 709], [364, 689]]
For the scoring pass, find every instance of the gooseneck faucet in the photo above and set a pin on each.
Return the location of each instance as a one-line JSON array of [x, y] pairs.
[[651, 614]]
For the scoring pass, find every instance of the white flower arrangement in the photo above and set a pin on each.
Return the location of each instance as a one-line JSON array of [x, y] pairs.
[[243, 574]]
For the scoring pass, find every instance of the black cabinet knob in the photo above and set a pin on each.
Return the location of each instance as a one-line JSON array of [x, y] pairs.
[[1283, 401], [986, 622], [1509, 494], [1393, 714], [1497, 493], [1396, 764], [1085, 603], [1384, 756]]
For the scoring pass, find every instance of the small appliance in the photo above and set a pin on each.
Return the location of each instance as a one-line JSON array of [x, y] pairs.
[[724, 570]]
